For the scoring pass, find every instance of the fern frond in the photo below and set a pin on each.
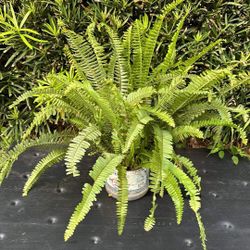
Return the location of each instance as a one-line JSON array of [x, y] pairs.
[[78, 69], [135, 130], [195, 110], [52, 158], [121, 72], [164, 144], [151, 40], [189, 186], [102, 169], [191, 170], [182, 132], [203, 236], [111, 67], [163, 150], [84, 55], [43, 115], [218, 122], [127, 47], [189, 63], [181, 98], [221, 108], [103, 104], [171, 54], [98, 49], [206, 80], [116, 142], [122, 199], [211, 122], [78, 147], [194, 193], [136, 97], [137, 68], [163, 116], [150, 220], [36, 92], [171, 185], [55, 140]]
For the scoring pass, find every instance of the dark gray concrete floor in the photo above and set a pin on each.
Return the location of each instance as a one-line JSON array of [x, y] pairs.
[[38, 221]]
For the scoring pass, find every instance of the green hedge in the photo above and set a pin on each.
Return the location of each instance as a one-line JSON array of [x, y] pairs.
[[23, 61]]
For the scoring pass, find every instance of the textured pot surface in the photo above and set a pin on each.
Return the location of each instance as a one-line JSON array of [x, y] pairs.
[[137, 184]]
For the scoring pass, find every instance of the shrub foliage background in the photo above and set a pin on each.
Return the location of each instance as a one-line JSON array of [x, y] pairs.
[[32, 44]]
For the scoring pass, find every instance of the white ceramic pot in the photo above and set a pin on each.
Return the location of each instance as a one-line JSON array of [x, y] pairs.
[[138, 183]]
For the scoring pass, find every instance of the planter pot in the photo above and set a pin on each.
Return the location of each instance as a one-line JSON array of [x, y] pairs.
[[138, 183]]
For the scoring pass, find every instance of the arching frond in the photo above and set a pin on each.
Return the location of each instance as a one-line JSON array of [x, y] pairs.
[[78, 69], [47, 141], [102, 169], [171, 54], [137, 68], [122, 199], [121, 72], [127, 47], [189, 186], [52, 158], [189, 63], [202, 230], [171, 185], [182, 132], [98, 49], [135, 130], [162, 115], [163, 150], [206, 80], [150, 220], [151, 40], [192, 171], [43, 115], [78, 147], [34, 93], [84, 55], [136, 97]]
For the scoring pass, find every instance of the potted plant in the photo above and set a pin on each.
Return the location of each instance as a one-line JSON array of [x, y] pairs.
[[129, 111]]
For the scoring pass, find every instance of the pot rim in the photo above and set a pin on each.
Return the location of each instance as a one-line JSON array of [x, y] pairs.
[[136, 170]]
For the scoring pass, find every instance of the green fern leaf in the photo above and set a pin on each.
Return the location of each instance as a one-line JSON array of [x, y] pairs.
[[150, 220], [127, 47], [171, 54], [79, 72], [86, 58], [47, 141], [97, 48], [102, 169], [182, 132], [122, 200], [174, 191], [43, 115], [51, 159], [121, 72], [135, 130], [189, 63], [189, 186], [202, 230], [192, 171], [78, 147], [137, 68], [137, 96], [163, 116], [151, 40], [36, 92]]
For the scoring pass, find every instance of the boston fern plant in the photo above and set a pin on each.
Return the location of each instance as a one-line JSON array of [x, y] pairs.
[[130, 112]]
